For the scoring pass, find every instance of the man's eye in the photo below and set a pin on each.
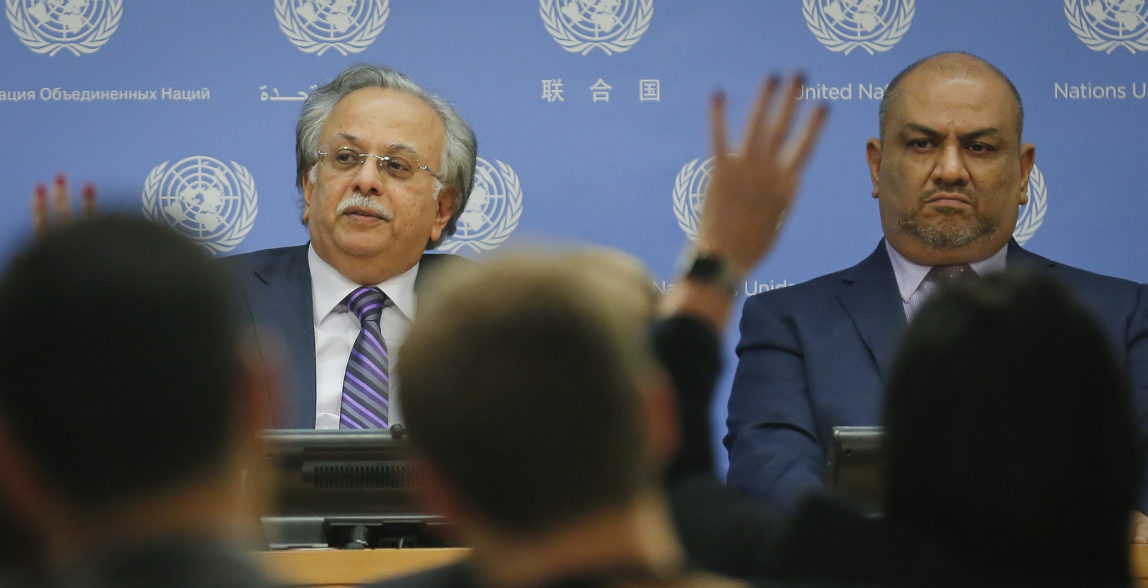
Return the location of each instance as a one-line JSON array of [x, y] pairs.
[[398, 165], [346, 157], [920, 143], [980, 148]]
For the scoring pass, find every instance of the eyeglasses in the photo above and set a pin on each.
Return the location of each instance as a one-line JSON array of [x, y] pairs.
[[346, 159]]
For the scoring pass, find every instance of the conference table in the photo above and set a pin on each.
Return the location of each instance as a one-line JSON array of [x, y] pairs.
[[331, 568], [351, 567]]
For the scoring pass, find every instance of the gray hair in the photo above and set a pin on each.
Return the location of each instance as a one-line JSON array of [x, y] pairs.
[[460, 148]]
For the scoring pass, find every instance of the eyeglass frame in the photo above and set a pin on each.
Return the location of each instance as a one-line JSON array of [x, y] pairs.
[[381, 160]]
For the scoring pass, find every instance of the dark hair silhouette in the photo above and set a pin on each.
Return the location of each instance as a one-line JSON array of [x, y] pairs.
[[1009, 433], [120, 359]]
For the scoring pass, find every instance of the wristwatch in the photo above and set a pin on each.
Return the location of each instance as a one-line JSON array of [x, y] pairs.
[[709, 268]]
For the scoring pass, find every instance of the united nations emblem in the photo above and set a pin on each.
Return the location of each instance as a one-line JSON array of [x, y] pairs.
[[493, 211], [689, 194], [1104, 25], [204, 199], [1032, 214], [347, 26], [844, 25], [80, 26], [610, 25]]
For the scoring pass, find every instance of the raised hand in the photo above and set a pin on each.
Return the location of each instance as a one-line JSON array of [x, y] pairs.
[[750, 191], [47, 215], [749, 194]]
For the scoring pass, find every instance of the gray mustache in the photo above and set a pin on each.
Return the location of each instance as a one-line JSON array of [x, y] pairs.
[[357, 200]]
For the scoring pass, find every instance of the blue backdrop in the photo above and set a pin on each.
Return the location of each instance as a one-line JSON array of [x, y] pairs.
[[591, 114]]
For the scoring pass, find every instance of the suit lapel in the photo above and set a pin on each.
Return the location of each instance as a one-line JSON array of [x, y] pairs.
[[869, 294], [284, 290], [1020, 257]]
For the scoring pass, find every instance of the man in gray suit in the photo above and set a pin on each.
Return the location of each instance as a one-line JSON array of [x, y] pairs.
[[385, 169]]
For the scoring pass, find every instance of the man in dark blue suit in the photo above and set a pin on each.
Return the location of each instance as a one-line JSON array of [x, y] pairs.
[[949, 173], [385, 169]]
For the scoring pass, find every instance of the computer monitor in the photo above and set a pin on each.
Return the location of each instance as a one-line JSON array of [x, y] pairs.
[[343, 488], [853, 471]]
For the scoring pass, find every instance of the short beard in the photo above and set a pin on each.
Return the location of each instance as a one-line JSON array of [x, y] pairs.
[[943, 238]]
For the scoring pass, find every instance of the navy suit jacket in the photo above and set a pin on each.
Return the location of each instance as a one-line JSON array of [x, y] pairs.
[[817, 355], [274, 286]]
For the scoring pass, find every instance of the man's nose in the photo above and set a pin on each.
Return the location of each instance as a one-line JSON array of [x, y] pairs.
[[950, 166], [368, 180]]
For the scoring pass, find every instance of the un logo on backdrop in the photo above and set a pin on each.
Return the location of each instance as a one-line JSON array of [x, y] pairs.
[[347, 26], [80, 26], [1104, 25], [844, 25], [610, 25], [204, 199], [493, 211], [689, 194], [1032, 214]]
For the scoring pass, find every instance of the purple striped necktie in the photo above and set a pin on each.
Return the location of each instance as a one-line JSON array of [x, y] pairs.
[[366, 396]]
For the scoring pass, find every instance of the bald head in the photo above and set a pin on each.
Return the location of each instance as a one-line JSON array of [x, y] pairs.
[[953, 64]]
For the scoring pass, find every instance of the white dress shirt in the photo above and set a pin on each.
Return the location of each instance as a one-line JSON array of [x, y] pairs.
[[336, 328], [915, 289]]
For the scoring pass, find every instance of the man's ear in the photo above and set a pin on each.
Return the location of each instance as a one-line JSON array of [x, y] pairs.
[[436, 495], [260, 400], [447, 197], [873, 157], [1027, 160], [308, 188], [660, 409], [24, 492]]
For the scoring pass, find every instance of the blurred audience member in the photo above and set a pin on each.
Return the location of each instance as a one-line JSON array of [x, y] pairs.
[[129, 410], [545, 434], [1011, 450]]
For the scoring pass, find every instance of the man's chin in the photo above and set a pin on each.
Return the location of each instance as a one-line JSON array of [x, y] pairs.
[[949, 233], [360, 242]]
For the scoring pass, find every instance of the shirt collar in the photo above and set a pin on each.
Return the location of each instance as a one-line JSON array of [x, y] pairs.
[[910, 275], [329, 287]]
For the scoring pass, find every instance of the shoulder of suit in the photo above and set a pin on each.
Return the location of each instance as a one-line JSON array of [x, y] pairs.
[[824, 284], [1076, 274], [262, 256], [265, 253]]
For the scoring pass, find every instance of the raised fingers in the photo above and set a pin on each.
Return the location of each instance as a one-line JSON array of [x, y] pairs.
[[757, 132], [50, 211], [61, 202], [717, 123], [799, 152], [88, 205], [784, 117], [40, 209]]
